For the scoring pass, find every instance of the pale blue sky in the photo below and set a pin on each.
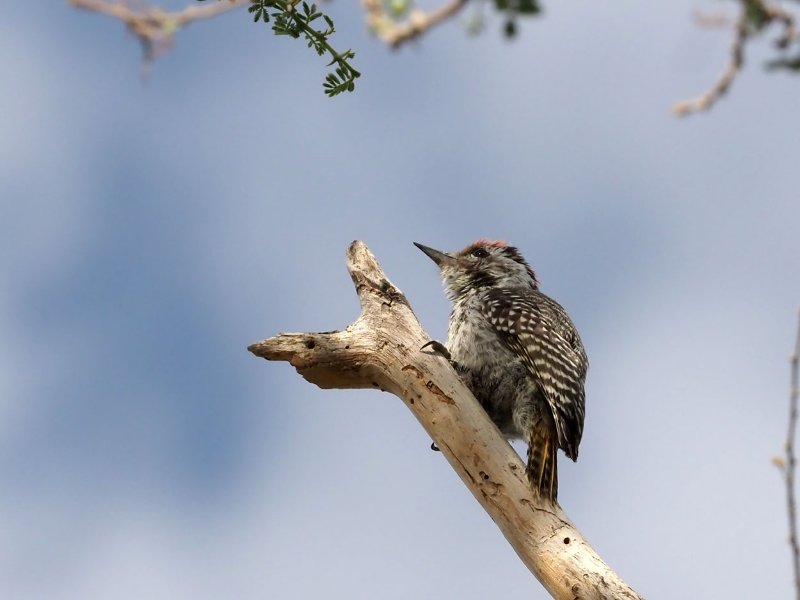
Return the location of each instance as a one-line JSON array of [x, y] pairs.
[[149, 233]]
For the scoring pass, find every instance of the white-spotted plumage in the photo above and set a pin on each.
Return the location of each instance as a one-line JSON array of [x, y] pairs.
[[518, 352]]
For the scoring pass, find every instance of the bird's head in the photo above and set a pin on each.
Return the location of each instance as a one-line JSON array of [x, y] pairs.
[[481, 265]]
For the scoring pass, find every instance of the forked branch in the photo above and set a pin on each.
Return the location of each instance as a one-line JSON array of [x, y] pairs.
[[381, 350], [155, 27]]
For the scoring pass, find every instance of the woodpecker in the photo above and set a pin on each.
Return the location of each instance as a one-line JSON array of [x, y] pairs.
[[517, 351]]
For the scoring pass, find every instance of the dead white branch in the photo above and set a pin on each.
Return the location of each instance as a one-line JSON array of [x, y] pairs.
[[381, 350]]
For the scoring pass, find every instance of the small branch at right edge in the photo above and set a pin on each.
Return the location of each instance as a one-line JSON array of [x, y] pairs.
[[790, 461]]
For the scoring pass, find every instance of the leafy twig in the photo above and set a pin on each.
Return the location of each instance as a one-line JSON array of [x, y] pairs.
[[294, 19]]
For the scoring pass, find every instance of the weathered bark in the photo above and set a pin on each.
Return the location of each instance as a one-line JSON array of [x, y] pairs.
[[381, 349]]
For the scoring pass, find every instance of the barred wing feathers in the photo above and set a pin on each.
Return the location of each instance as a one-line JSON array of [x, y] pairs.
[[537, 329]]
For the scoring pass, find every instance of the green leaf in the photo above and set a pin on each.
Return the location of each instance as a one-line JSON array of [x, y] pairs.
[[259, 11], [398, 8], [528, 7], [790, 63], [756, 15], [523, 7]]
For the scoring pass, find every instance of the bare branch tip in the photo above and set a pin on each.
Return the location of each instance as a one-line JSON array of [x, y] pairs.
[[260, 349], [358, 253]]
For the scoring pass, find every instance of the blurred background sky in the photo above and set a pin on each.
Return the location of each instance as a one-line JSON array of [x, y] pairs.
[[149, 233]]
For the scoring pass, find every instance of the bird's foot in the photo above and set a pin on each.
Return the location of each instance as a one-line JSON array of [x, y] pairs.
[[439, 348]]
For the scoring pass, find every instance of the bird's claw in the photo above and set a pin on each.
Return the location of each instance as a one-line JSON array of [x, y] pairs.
[[439, 348]]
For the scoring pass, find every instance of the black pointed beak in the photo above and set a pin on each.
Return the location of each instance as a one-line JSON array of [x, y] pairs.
[[440, 258]]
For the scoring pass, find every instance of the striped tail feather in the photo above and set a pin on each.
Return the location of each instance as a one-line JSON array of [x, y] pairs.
[[542, 466]]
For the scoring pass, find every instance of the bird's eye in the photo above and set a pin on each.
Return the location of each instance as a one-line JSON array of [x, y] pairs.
[[480, 253]]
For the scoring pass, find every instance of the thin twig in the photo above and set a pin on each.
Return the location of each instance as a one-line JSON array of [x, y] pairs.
[[180, 17], [724, 81], [783, 16], [396, 34], [789, 467], [154, 27], [743, 30], [716, 20]]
